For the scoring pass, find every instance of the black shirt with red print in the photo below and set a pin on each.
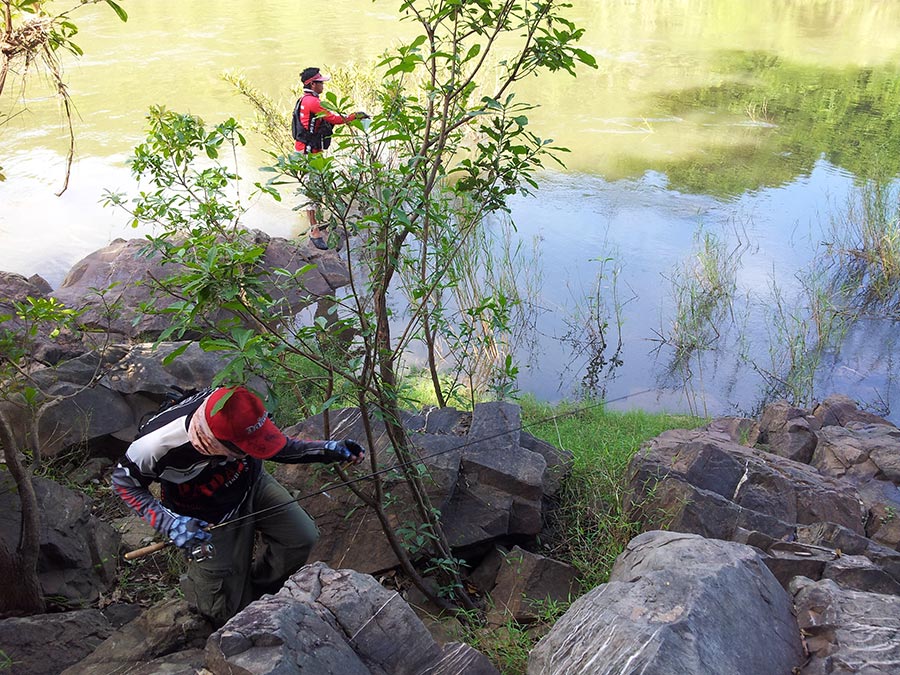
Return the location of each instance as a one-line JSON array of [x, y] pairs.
[[206, 487]]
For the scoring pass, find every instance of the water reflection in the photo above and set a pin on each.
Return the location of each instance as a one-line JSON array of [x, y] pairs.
[[710, 114], [777, 118]]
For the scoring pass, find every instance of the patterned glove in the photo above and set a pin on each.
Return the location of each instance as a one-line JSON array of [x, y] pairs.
[[186, 532]]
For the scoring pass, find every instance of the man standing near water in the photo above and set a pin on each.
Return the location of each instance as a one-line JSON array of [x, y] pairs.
[[311, 126]]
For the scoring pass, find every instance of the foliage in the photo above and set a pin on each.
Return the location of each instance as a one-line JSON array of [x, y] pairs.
[[863, 251], [32, 34], [594, 526], [508, 645], [704, 289], [589, 333], [438, 156]]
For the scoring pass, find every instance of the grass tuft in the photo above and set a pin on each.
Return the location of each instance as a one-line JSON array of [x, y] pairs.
[[592, 522]]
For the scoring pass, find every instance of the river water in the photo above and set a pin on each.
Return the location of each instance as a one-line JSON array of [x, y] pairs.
[[754, 121]]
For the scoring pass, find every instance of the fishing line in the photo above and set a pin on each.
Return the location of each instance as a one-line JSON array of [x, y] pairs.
[[421, 460]]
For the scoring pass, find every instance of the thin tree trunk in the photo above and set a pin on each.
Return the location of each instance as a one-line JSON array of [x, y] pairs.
[[22, 592]]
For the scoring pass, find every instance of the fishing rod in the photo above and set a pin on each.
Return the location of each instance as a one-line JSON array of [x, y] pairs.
[[152, 548]]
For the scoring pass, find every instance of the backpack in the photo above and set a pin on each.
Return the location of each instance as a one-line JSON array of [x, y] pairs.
[[319, 138], [176, 396]]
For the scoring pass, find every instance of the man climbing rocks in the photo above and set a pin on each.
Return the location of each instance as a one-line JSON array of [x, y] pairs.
[[207, 453]]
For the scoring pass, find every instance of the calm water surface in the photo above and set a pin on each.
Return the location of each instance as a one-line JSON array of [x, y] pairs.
[[752, 119]]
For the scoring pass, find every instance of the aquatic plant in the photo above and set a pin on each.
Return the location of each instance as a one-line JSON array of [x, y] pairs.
[[703, 292]]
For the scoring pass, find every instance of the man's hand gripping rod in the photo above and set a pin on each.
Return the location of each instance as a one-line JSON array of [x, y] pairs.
[[198, 553]]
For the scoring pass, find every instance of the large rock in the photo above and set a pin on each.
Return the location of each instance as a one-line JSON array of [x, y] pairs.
[[161, 631], [335, 621], [860, 454], [847, 631], [840, 410], [78, 552], [788, 431], [499, 489], [526, 583], [677, 603], [486, 484], [106, 394], [702, 482], [46, 346], [123, 275], [882, 500], [46, 644]]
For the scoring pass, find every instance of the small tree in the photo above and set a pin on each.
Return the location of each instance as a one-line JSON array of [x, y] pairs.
[[440, 155], [24, 399], [33, 35]]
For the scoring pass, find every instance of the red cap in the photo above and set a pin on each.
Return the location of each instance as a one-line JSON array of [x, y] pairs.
[[243, 420]]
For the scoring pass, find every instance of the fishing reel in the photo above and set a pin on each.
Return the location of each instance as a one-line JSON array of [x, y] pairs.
[[202, 551]]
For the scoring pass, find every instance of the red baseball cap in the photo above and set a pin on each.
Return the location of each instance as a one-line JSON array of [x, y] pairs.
[[243, 420]]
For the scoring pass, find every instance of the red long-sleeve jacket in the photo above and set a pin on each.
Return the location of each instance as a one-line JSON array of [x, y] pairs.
[[312, 113]]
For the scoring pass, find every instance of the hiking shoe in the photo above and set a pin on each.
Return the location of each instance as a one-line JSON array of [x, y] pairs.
[[319, 243]]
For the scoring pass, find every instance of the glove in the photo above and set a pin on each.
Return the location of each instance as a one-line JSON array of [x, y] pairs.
[[344, 451], [358, 451], [186, 532], [360, 115]]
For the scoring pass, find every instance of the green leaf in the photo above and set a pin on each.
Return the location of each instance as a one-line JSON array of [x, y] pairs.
[[585, 58], [178, 351], [121, 13], [221, 403]]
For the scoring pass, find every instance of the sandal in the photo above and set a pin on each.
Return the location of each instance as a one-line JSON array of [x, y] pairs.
[[319, 243]]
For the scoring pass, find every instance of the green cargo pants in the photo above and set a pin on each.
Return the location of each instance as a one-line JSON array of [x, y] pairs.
[[233, 578]]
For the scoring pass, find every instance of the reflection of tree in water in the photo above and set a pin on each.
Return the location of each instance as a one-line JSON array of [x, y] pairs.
[[781, 118], [590, 337]]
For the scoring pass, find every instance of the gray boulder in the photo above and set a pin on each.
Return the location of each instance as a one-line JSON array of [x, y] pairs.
[[859, 573], [487, 485], [739, 429], [859, 454], [810, 521], [77, 558], [499, 489], [702, 482], [677, 603], [165, 638], [882, 501], [521, 584], [46, 644], [847, 631], [788, 431], [120, 276], [106, 394], [867, 455], [335, 622], [840, 410]]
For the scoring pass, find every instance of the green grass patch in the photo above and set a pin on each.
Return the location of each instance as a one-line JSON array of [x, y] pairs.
[[591, 522]]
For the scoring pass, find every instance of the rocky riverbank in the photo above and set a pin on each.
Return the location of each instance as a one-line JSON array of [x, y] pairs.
[[770, 545]]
